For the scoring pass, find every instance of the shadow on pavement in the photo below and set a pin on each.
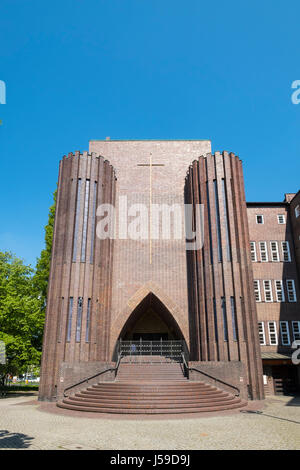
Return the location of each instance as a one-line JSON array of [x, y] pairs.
[[18, 394], [295, 401], [261, 413], [14, 440]]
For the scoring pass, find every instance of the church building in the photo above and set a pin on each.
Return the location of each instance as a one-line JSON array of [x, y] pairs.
[[168, 292]]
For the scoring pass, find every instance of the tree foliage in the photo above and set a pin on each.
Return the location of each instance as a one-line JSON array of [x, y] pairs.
[[43, 263], [21, 319], [23, 295]]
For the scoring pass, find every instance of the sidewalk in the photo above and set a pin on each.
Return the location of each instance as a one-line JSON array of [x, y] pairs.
[[26, 423]]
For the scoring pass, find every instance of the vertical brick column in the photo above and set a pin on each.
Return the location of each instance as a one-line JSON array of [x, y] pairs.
[[220, 273], [81, 273]]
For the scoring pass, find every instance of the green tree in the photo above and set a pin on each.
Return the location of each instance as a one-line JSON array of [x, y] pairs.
[[23, 295], [21, 318], [43, 263]]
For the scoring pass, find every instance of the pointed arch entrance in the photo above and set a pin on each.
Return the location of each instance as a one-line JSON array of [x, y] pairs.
[[151, 321], [149, 301]]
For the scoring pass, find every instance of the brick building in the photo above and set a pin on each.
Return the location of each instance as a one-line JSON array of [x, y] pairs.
[[232, 302], [274, 243]]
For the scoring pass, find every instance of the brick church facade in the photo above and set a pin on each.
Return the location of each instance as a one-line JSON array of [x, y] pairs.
[[233, 301]]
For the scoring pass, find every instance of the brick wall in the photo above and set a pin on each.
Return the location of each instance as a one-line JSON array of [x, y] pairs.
[[269, 231], [233, 373], [133, 275]]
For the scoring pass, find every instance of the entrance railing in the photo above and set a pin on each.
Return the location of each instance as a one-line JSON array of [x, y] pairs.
[[151, 351], [87, 379]]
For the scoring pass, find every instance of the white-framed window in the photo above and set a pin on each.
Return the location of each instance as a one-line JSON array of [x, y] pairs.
[[253, 251], [261, 333], [291, 290], [284, 333], [259, 219], [281, 219], [257, 290], [297, 211], [279, 291], [268, 291], [263, 251], [285, 248], [296, 330], [273, 340], [274, 251]]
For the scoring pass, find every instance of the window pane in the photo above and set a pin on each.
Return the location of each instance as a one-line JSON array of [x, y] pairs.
[[233, 317], [279, 291], [75, 240], [296, 330], [253, 251], [88, 316], [259, 219], [257, 291], [263, 251], [261, 332], [272, 333], [93, 222], [224, 319], [274, 251], [85, 220], [268, 291], [284, 332], [285, 246], [79, 319], [290, 284], [228, 249], [218, 221], [70, 319]]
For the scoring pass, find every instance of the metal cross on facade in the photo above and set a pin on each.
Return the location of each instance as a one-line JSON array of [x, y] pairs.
[[150, 165]]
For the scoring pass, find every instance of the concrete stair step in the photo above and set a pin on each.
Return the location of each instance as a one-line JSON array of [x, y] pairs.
[[165, 376], [146, 391], [151, 389], [151, 401], [154, 405], [173, 410], [153, 385], [149, 379], [187, 394]]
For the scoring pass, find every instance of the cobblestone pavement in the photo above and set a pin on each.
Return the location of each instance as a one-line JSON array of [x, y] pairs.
[[26, 424]]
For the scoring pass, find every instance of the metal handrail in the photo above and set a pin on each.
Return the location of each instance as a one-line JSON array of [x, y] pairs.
[[217, 380], [185, 365], [86, 380], [118, 363]]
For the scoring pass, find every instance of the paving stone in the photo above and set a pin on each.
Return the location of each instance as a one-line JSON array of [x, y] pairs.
[[25, 424]]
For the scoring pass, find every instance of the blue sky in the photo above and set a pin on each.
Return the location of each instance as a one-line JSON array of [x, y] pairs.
[[142, 69]]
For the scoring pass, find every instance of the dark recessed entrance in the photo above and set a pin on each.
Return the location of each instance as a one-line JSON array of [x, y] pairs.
[[151, 321], [150, 336]]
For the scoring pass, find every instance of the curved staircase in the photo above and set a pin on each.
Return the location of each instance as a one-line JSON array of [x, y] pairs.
[[158, 388]]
